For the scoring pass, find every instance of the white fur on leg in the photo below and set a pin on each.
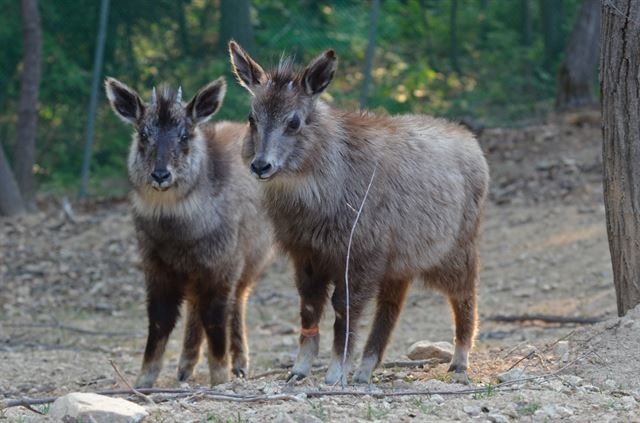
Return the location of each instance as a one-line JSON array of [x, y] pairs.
[[149, 374], [336, 373], [459, 364], [218, 370], [307, 352], [364, 372]]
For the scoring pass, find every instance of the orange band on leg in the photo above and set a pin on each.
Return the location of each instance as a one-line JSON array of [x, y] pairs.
[[314, 331]]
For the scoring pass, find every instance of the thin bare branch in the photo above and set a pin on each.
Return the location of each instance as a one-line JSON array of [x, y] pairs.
[[126, 382], [346, 270]]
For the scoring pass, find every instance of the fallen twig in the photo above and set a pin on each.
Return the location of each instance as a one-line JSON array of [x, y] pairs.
[[126, 382], [547, 318], [410, 363], [299, 395], [547, 348]]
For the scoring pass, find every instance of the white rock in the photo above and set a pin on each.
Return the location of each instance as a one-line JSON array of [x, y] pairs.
[[554, 411], [562, 350], [472, 410], [497, 418], [283, 418], [308, 418], [96, 408], [511, 410], [628, 403], [437, 398], [573, 380], [423, 350], [511, 375]]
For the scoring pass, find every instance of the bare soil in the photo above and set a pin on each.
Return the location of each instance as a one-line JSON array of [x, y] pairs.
[[544, 250]]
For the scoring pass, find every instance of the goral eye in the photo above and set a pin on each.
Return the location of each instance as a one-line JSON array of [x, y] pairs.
[[184, 137], [143, 135], [294, 123]]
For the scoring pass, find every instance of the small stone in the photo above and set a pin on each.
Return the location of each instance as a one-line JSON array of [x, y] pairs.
[[511, 410], [591, 388], [472, 410], [573, 380], [610, 383], [562, 350], [511, 375], [438, 399], [308, 418], [283, 418], [497, 418], [553, 411], [628, 402], [424, 350], [79, 406]]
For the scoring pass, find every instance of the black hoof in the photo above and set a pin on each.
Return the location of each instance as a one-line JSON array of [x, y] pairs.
[[295, 377], [240, 373], [455, 368]]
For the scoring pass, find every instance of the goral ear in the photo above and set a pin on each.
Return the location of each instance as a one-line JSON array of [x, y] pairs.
[[125, 101], [249, 73], [207, 100], [317, 76]]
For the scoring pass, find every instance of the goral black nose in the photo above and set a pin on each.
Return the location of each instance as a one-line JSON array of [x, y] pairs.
[[160, 175], [260, 167]]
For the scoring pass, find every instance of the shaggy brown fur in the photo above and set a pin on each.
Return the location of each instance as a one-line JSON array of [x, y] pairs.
[[202, 237], [421, 218]]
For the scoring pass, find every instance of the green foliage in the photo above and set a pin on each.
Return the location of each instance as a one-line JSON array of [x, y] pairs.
[[150, 42]]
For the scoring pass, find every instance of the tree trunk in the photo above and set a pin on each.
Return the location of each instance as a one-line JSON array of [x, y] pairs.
[[10, 198], [371, 50], [578, 70], [484, 24], [182, 26], [551, 12], [235, 23], [28, 105], [453, 36], [620, 102]]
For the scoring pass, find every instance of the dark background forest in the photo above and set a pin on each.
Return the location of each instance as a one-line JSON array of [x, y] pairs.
[[482, 61]]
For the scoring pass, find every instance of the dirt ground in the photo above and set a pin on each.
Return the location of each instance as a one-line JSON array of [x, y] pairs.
[[544, 250]]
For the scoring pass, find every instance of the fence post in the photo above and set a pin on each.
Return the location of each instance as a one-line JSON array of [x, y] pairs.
[[91, 116]]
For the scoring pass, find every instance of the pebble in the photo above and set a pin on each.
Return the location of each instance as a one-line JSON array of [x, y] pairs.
[[424, 350], [628, 403], [283, 418], [472, 410], [562, 350], [497, 418], [511, 375], [438, 399], [553, 411], [511, 410], [573, 380]]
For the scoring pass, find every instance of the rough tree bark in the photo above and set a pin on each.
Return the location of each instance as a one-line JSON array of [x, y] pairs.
[[578, 70], [10, 199], [235, 23], [27, 107], [620, 102]]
